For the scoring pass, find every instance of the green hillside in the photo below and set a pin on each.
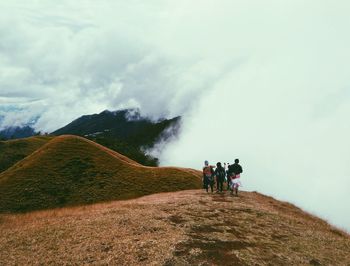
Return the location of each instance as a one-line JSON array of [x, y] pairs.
[[71, 170], [12, 151]]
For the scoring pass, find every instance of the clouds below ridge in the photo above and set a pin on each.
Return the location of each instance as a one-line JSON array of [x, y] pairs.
[[284, 110]]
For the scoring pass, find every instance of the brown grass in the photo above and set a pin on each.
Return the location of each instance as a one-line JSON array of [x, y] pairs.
[[182, 228], [71, 170]]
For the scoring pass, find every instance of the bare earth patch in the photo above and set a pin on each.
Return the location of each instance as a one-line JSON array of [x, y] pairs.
[[180, 228]]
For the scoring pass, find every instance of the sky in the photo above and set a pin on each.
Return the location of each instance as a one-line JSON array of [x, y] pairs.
[[263, 81]]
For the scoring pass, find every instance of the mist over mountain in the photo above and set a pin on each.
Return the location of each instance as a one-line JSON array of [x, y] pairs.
[[125, 131], [15, 127], [127, 125], [17, 132]]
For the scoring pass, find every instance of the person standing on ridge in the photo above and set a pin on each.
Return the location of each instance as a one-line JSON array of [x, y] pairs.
[[220, 176], [228, 176], [236, 170], [208, 176]]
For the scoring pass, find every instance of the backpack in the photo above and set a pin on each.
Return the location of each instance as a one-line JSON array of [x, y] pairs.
[[207, 171]]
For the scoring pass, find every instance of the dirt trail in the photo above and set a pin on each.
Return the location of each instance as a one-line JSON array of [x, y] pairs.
[[181, 228]]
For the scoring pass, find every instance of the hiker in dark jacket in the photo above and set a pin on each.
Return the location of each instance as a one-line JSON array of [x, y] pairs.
[[220, 176], [236, 171]]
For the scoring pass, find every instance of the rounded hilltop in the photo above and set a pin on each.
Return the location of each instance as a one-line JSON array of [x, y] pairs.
[[12, 151], [71, 170]]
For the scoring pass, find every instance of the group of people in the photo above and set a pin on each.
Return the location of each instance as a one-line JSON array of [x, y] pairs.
[[229, 174]]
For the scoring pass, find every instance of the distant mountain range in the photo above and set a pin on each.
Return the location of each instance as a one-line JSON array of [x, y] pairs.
[[124, 131], [17, 132]]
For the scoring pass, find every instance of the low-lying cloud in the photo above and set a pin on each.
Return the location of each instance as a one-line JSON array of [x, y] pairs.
[[266, 82], [67, 60]]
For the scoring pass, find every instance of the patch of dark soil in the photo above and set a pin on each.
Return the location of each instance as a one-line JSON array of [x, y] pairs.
[[246, 210], [215, 251], [219, 258], [105, 247], [219, 224], [212, 214], [175, 262], [221, 198], [231, 223], [337, 232], [223, 210], [203, 215], [234, 232], [279, 237], [142, 257], [222, 245], [176, 219]]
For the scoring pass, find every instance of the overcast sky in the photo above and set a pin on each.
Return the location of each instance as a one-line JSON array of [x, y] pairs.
[[263, 81]]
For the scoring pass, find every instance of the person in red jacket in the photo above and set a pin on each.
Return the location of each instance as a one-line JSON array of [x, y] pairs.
[[208, 176]]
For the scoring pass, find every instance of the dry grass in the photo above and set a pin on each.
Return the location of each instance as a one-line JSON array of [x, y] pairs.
[[71, 170], [98, 236], [181, 228]]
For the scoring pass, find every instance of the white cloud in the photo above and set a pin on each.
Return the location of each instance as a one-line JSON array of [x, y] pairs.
[[284, 110]]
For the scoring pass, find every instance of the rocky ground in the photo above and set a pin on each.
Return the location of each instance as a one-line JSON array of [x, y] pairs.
[[182, 228]]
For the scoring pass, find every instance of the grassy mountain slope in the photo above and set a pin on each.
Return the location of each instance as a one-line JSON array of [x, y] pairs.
[[180, 228], [124, 131], [70, 170], [137, 130], [128, 149], [12, 151]]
